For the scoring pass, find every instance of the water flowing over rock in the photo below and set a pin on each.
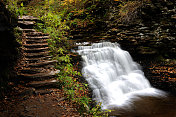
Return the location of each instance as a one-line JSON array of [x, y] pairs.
[[113, 76], [149, 38]]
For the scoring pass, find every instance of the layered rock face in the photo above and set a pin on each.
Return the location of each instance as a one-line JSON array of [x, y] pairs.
[[152, 32]]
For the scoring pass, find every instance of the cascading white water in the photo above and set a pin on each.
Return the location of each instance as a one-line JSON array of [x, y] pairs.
[[113, 76]]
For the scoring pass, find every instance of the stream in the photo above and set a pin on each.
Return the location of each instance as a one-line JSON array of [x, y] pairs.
[[119, 84]]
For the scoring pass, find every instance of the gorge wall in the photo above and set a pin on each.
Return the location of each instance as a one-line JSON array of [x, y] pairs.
[[152, 32]]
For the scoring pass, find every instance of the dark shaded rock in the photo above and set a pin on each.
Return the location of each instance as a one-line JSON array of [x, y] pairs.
[[8, 47], [146, 50]]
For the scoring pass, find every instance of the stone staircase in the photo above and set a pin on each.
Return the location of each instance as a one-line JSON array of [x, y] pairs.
[[36, 67]]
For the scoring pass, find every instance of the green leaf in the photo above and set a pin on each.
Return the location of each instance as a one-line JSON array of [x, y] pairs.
[[22, 4]]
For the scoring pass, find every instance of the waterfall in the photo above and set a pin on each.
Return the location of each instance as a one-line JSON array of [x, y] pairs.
[[115, 79]]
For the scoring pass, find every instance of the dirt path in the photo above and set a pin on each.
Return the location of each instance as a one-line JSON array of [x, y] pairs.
[[24, 103]]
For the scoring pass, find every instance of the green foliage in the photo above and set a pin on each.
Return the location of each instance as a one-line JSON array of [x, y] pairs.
[[17, 35], [21, 11], [77, 92], [52, 20], [16, 9]]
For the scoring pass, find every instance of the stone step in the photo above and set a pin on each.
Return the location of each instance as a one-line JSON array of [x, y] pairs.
[[38, 37], [31, 70], [46, 83], [27, 18], [27, 23], [36, 34], [34, 50], [35, 45], [40, 64], [26, 30], [40, 76], [33, 41], [38, 54], [34, 60]]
